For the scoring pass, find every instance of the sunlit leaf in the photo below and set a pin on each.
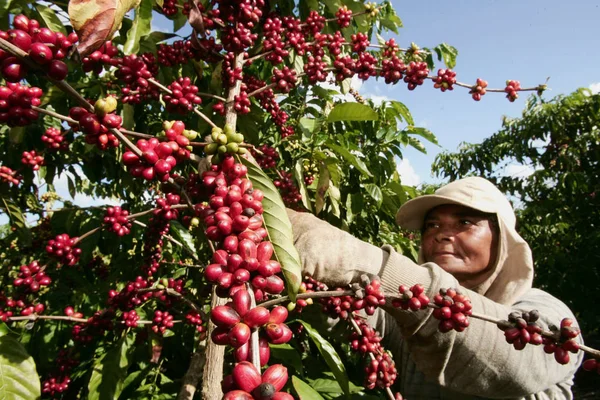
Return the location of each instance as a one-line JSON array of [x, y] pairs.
[[184, 236], [141, 27], [352, 112], [279, 227], [95, 21], [375, 193], [50, 18], [447, 53], [18, 375], [332, 358], [304, 391]]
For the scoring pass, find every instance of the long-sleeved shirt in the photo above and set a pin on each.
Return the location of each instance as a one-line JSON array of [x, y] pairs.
[[478, 362]]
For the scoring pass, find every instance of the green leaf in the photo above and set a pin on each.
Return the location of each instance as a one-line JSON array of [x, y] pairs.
[[332, 358], [351, 158], [299, 176], [288, 355], [304, 391], [279, 227], [109, 372], [141, 27], [375, 192], [16, 134], [50, 19], [423, 132], [352, 112], [184, 236], [448, 53], [16, 218], [322, 187], [403, 111], [18, 376]]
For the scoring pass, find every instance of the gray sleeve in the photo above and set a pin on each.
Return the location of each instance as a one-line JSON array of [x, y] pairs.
[[477, 361]]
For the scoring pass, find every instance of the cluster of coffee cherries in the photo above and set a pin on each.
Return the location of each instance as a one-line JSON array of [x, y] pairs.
[[236, 320], [445, 80], [195, 319], [159, 158], [453, 310], [44, 47], [413, 298], [522, 328], [183, 97], [9, 306], [9, 176], [266, 156], [161, 322], [54, 140], [106, 54], [381, 370], [62, 248], [289, 191], [247, 383], [511, 89], [285, 79], [54, 386], [367, 299], [130, 319], [565, 343], [117, 220], [479, 89], [224, 141], [135, 71], [96, 128], [158, 226], [16, 101], [32, 159], [31, 277], [416, 73]]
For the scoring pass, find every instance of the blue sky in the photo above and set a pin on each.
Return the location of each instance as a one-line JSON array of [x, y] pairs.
[[526, 40]]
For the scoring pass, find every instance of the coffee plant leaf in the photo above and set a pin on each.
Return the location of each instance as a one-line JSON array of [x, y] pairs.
[[304, 391], [50, 18], [447, 53], [351, 158], [18, 372], [299, 177], [352, 112], [95, 21], [184, 236], [288, 355], [332, 358], [279, 227], [109, 372], [375, 193], [141, 27]]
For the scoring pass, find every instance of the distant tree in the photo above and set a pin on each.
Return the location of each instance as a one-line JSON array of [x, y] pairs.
[[559, 140]]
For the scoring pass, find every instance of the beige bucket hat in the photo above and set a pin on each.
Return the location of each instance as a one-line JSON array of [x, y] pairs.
[[512, 274]]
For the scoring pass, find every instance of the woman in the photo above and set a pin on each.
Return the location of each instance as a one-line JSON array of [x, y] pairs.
[[468, 240]]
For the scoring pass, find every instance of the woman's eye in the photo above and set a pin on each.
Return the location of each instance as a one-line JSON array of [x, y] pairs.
[[466, 222], [430, 225]]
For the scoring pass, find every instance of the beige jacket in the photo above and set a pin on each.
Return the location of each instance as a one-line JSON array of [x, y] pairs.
[[474, 364]]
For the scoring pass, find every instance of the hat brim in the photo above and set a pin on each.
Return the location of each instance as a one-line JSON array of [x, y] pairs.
[[411, 214]]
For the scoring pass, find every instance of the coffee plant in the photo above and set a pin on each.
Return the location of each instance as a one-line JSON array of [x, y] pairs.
[[190, 285]]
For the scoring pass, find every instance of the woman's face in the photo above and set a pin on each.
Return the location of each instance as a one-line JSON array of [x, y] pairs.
[[462, 241]]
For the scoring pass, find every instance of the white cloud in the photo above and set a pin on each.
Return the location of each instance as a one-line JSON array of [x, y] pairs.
[[407, 173], [595, 87], [518, 170]]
